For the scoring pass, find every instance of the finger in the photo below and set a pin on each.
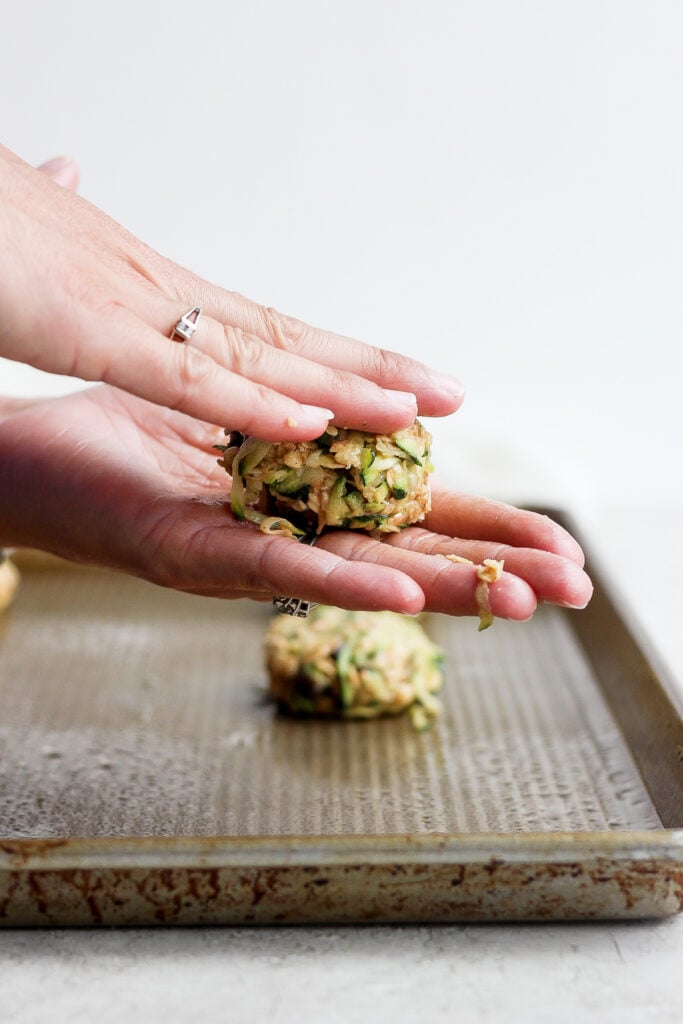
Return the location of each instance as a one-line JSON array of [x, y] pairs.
[[237, 595], [63, 171], [552, 577], [356, 402], [473, 518], [228, 557], [437, 394], [140, 360], [448, 587]]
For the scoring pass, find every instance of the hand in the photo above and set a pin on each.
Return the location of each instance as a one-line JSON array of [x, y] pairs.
[[83, 297], [107, 478]]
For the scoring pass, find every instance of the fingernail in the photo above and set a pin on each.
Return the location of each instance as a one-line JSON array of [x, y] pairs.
[[320, 409], [309, 416], [401, 397], [317, 410], [57, 163], [452, 385], [60, 169]]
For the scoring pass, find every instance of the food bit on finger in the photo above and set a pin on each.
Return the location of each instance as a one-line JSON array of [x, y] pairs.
[[489, 571]]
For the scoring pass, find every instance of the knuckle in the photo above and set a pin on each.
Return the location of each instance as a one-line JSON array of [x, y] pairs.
[[244, 352], [382, 364], [283, 331], [194, 372], [346, 384], [499, 552]]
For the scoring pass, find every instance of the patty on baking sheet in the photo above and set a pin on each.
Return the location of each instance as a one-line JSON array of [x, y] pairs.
[[348, 664]]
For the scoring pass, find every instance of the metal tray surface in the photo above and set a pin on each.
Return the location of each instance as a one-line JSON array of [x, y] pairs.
[[144, 778]]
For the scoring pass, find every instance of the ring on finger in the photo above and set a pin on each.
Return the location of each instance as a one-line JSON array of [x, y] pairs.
[[187, 325]]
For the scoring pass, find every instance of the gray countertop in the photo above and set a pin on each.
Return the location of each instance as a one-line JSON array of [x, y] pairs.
[[531, 973]]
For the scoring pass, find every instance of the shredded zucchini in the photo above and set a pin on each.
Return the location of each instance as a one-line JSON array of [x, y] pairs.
[[344, 479]]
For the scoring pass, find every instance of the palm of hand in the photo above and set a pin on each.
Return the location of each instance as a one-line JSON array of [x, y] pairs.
[[134, 480]]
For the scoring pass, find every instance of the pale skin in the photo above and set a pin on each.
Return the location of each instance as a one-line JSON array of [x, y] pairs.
[[124, 475]]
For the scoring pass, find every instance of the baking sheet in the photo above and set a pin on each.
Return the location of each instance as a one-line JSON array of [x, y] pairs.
[[138, 754]]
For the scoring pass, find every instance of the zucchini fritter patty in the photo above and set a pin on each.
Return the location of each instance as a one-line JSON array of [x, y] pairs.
[[348, 664], [345, 478]]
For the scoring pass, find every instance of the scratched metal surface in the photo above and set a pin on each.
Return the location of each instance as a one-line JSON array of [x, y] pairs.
[[127, 710], [144, 778]]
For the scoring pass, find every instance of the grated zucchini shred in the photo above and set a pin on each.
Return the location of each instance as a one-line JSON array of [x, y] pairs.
[[488, 571]]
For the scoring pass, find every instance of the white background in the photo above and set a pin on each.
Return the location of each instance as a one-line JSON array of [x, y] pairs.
[[496, 187]]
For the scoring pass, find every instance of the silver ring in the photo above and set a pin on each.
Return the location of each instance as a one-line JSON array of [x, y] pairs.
[[187, 325], [295, 605]]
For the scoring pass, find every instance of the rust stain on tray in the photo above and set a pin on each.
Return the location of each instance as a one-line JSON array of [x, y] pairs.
[[403, 892]]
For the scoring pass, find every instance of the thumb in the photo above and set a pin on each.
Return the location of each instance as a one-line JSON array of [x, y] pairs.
[[63, 171]]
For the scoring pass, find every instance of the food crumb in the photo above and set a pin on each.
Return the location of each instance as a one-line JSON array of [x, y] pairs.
[[489, 571]]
